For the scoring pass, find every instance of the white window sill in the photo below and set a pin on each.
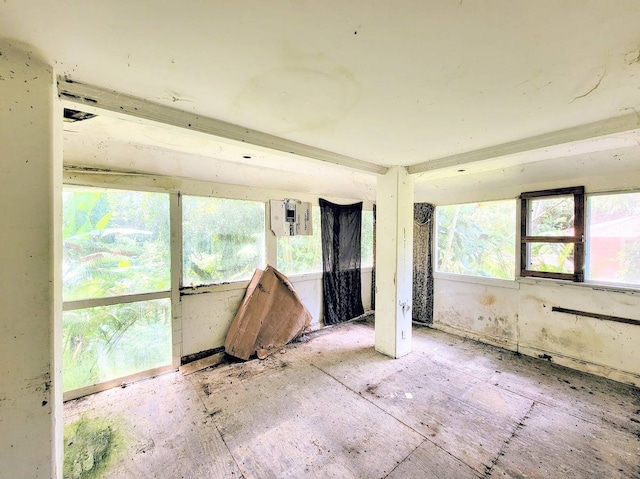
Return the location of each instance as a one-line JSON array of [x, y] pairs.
[[552, 283], [213, 288], [462, 278], [300, 277], [613, 288]]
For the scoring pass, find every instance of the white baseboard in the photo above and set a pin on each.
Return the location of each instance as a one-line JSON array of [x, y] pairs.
[[475, 335]]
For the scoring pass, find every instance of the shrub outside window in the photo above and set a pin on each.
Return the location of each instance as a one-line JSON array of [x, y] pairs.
[[223, 239], [477, 239]]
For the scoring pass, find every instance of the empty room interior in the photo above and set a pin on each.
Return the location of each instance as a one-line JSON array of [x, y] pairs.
[[276, 239]]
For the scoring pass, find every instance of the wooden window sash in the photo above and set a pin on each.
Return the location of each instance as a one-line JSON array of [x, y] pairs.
[[577, 240]]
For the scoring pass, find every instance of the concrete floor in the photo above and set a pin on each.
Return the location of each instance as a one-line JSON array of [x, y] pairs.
[[331, 406]]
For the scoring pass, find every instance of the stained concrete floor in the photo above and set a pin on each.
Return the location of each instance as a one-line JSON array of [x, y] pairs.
[[330, 406]]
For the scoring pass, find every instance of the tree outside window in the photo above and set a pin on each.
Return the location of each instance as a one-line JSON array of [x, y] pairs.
[[477, 239]]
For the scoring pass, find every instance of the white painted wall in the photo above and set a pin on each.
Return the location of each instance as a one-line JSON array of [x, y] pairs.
[[518, 317], [485, 311], [31, 167], [207, 314], [602, 347]]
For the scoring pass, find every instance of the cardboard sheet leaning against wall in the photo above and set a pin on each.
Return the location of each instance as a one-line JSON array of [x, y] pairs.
[[271, 315]]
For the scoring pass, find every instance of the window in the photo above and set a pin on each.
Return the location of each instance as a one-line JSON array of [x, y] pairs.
[[108, 342], [613, 238], [115, 243], [303, 253], [477, 239], [116, 284], [552, 234], [222, 239], [366, 260]]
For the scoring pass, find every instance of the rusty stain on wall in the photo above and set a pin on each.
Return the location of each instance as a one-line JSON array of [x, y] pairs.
[[487, 300]]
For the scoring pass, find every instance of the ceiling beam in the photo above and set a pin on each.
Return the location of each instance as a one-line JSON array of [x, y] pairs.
[[611, 126], [124, 105]]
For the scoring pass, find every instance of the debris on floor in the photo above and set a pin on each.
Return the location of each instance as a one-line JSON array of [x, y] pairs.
[[270, 316], [201, 364]]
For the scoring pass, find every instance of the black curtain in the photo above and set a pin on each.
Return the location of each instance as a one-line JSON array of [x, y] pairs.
[[422, 262], [373, 270], [341, 227]]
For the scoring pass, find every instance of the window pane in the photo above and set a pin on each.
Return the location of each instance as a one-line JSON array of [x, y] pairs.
[[551, 257], [477, 239], [614, 238], [109, 342], [222, 239], [114, 243], [551, 216], [301, 254], [367, 239]]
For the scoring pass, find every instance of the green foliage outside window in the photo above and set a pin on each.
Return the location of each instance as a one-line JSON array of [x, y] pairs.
[[303, 254], [552, 217], [367, 239], [109, 342], [222, 239], [115, 243], [477, 239]]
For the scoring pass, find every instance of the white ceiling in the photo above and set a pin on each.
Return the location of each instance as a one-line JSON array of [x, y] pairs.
[[389, 83]]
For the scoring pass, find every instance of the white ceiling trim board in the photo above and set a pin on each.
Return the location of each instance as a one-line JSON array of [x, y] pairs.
[[591, 131], [95, 99]]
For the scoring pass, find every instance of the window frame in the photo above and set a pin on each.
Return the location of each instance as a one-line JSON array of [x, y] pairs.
[[578, 240], [127, 298]]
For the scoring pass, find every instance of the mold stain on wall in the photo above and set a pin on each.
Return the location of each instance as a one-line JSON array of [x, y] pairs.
[[90, 446]]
